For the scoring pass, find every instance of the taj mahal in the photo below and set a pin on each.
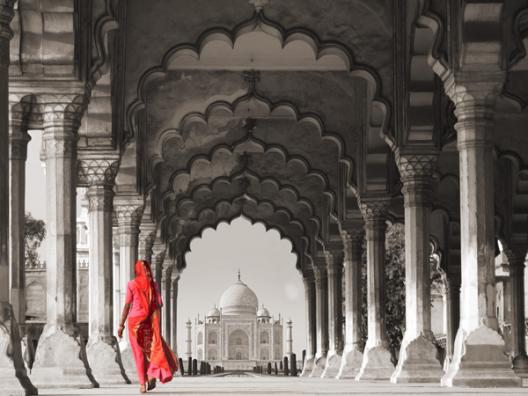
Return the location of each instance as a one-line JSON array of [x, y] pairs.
[[238, 335]]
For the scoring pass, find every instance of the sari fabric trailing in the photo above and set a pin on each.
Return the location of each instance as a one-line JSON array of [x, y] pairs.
[[154, 358]]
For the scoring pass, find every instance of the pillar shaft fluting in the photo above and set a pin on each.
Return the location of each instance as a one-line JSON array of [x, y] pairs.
[[311, 337], [321, 316], [174, 312], [335, 328], [479, 357], [61, 120], [51, 368], [376, 362], [12, 368], [418, 360], [518, 326], [18, 140], [352, 354]]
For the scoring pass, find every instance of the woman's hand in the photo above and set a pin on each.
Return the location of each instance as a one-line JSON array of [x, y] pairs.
[[120, 331]]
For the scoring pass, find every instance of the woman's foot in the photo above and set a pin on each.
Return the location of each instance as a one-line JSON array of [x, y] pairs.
[[142, 388], [151, 384]]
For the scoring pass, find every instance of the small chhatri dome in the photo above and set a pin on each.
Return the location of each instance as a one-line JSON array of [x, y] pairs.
[[213, 313], [263, 312], [238, 299]]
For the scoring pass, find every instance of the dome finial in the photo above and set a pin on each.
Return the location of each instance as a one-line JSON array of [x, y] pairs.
[[239, 275]]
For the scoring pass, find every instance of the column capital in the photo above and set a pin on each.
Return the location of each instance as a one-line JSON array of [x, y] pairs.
[[6, 15], [375, 209], [128, 216], [474, 95], [97, 171], [61, 113], [18, 141], [417, 167]]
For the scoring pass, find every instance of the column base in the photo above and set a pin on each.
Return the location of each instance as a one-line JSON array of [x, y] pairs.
[[318, 367], [418, 363], [376, 364], [350, 363], [128, 362], [479, 361], [13, 375], [308, 366], [60, 362], [520, 368], [104, 360], [332, 365]]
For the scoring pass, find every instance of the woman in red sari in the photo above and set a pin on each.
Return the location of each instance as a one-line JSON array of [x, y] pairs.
[[154, 359]]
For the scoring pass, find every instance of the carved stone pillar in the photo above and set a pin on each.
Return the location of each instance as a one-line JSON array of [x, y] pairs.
[[98, 174], [321, 315], [147, 236], [166, 284], [479, 357], [352, 354], [52, 368], [129, 210], [175, 278], [12, 369], [18, 140], [452, 312], [309, 299], [376, 362], [158, 258], [335, 335], [418, 361], [116, 276], [517, 259]]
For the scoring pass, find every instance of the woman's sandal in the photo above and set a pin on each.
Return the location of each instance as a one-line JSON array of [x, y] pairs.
[[142, 388], [151, 384]]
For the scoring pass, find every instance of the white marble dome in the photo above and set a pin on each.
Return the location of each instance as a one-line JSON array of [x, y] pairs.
[[214, 312], [263, 312], [238, 299]]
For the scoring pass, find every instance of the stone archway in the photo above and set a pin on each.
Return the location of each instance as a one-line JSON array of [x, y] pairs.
[[238, 345]]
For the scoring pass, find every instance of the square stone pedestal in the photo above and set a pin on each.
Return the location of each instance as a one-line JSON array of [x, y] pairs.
[[419, 362], [350, 363], [332, 365], [60, 362], [376, 365], [480, 361], [105, 363]]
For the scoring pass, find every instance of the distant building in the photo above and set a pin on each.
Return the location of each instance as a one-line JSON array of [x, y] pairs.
[[237, 334]]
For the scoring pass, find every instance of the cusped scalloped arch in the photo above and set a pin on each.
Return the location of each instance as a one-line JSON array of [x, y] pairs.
[[297, 49]]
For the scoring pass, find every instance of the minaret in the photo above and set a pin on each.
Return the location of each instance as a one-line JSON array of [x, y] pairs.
[[188, 341], [289, 338]]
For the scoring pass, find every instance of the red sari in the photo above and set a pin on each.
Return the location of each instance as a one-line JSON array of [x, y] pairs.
[[154, 358]]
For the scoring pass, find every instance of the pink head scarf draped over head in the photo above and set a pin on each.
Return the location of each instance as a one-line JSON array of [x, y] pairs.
[[145, 288]]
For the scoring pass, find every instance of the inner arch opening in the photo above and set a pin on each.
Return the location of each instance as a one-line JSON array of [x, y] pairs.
[[267, 266]]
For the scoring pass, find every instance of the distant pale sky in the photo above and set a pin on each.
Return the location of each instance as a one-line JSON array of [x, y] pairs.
[[265, 261]]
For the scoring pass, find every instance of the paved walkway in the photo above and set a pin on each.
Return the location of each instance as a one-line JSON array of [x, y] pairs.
[[251, 385]]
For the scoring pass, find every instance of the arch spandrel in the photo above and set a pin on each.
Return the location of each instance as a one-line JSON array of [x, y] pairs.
[[225, 189], [263, 212]]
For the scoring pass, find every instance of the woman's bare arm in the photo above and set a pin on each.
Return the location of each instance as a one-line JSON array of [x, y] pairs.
[[124, 315]]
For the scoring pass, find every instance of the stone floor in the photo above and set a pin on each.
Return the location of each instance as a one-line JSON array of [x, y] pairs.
[[260, 385]]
